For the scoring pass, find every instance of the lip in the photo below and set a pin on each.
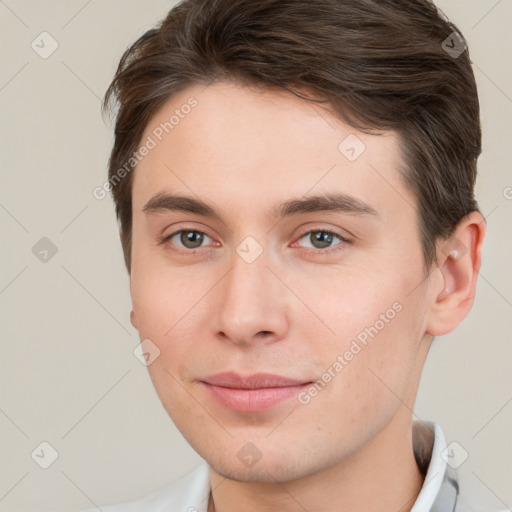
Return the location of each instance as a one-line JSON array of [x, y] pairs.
[[252, 393]]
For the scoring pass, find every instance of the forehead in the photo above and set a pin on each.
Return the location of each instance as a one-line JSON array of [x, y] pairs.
[[247, 146]]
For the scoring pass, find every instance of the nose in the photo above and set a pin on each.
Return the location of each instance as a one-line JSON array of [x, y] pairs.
[[252, 303]]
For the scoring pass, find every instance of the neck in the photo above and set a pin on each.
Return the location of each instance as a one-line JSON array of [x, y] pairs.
[[382, 476]]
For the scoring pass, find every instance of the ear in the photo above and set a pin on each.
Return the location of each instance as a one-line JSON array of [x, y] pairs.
[[459, 260], [133, 319]]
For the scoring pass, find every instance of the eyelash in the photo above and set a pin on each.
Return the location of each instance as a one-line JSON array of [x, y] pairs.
[[328, 250]]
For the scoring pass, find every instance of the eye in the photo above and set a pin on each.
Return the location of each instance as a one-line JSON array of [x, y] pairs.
[[186, 241], [187, 238], [322, 239]]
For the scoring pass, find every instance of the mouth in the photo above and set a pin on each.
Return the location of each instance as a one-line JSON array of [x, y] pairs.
[[253, 393]]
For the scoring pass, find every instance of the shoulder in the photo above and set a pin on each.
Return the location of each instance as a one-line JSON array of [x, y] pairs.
[[186, 494], [477, 499], [466, 503], [463, 505]]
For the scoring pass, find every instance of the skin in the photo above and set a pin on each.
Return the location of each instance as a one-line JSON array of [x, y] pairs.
[[294, 309]]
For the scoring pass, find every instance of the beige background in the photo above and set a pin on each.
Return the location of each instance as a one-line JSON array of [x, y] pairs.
[[68, 375]]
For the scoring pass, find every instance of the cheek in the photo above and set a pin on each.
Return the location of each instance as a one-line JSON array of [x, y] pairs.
[[160, 298], [375, 330], [172, 310], [351, 303], [367, 380]]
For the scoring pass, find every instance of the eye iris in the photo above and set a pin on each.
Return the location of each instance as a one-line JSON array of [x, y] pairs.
[[194, 239], [322, 238], [191, 239]]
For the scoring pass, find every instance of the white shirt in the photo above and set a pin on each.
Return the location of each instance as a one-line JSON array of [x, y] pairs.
[[440, 491]]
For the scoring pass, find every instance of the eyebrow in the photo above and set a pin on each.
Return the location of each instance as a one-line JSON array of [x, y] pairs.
[[332, 202]]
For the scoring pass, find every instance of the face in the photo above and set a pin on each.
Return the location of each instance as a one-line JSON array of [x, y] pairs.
[[253, 276]]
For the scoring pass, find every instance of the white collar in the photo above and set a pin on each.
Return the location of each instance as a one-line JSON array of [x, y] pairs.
[[429, 444]]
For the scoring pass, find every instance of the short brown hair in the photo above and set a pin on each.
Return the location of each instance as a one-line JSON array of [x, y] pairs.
[[378, 64]]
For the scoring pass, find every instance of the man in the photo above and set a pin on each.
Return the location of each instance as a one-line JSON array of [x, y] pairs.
[[294, 186]]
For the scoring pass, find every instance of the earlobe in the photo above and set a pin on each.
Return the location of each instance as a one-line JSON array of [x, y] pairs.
[[460, 259], [133, 319]]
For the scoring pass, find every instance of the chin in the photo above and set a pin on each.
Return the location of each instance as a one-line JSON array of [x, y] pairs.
[[263, 473], [268, 469]]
